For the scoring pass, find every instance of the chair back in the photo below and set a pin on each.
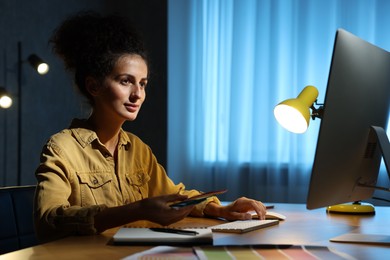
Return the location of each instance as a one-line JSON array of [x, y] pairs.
[[16, 218]]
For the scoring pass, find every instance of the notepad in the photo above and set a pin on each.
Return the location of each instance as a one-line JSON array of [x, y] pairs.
[[363, 239], [243, 226], [146, 236]]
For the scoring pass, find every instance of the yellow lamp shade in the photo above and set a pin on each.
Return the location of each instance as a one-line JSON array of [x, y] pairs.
[[294, 114]]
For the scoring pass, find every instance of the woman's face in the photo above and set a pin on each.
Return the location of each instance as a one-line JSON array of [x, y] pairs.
[[122, 92]]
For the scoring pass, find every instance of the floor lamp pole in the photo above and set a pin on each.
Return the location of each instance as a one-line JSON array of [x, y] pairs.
[[5, 148], [19, 136]]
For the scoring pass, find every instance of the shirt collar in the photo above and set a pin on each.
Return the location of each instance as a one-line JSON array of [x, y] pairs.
[[84, 134]]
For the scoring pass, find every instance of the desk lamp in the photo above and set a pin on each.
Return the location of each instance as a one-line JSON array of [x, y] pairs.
[[294, 115]]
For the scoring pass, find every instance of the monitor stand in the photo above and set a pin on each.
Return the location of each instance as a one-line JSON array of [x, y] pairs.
[[384, 145], [359, 208], [378, 134]]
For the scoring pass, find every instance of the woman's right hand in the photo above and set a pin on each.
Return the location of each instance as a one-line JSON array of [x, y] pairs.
[[157, 209]]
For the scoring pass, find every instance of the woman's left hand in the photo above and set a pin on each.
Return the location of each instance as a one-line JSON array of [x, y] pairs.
[[237, 210]]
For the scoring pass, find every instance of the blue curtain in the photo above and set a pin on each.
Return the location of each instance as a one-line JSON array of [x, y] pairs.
[[230, 63]]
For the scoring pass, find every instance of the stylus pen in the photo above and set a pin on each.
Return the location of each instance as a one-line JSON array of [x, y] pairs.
[[187, 203], [175, 231]]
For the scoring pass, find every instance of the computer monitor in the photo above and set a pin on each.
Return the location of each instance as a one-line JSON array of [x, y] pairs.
[[347, 158]]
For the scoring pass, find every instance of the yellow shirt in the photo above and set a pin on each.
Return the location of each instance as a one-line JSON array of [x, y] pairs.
[[78, 177]]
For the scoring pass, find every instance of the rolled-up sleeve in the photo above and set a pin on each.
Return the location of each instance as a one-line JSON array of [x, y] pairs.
[[54, 215]]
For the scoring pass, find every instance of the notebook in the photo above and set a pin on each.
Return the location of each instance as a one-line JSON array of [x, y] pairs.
[[147, 236]]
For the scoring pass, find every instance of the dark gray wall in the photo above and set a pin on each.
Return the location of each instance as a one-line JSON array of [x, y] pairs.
[[50, 102]]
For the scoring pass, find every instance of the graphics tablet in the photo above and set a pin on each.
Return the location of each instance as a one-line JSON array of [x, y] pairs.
[[196, 199]]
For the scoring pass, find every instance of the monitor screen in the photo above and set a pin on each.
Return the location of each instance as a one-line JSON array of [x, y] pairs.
[[357, 97]]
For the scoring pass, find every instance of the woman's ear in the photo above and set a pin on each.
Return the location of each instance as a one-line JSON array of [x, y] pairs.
[[92, 86]]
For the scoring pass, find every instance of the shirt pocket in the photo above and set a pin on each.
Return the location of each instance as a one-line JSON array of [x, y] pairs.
[[138, 184], [95, 188]]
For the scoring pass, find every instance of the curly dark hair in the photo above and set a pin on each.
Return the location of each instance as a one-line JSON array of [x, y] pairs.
[[90, 45]]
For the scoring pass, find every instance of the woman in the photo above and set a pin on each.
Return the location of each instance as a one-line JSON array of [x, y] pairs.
[[94, 175]]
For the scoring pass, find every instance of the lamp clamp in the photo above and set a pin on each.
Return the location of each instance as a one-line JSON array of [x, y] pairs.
[[317, 112]]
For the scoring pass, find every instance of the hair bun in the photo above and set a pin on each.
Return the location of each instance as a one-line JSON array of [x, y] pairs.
[[84, 37]]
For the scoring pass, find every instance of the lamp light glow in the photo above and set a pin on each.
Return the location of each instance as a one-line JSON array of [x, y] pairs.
[[5, 99], [43, 68], [38, 64], [294, 114]]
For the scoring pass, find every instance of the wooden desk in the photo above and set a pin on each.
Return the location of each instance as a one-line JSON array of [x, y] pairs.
[[302, 227]]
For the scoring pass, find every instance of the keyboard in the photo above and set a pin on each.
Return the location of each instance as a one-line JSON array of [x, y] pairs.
[[242, 226]]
